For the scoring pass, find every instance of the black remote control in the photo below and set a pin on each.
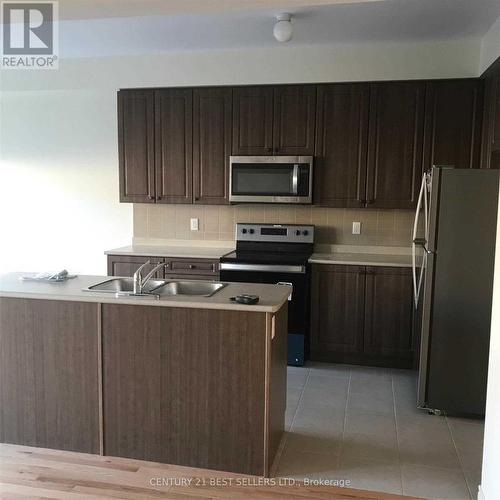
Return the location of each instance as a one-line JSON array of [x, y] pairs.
[[246, 299]]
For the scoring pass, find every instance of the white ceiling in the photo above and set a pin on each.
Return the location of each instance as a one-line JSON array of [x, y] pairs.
[[137, 27], [96, 9]]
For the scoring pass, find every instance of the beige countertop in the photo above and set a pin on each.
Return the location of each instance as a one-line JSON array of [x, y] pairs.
[[272, 297], [194, 252], [361, 259]]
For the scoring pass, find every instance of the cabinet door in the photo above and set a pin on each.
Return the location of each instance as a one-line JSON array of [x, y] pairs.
[[341, 145], [491, 125], [495, 136], [294, 119], [395, 144], [174, 145], [337, 305], [453, 123], [136, 146], [211, 145], [126, 266], [252, 120], [389, 312]]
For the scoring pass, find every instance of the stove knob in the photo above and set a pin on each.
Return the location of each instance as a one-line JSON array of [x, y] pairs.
[[251, 231], [244, 231], [297, 232], [305, 232]]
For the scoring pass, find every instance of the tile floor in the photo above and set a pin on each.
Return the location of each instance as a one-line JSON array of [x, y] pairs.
[[360, 424]]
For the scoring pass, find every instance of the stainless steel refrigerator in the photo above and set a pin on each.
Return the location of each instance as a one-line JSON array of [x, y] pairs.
[[454, 251]]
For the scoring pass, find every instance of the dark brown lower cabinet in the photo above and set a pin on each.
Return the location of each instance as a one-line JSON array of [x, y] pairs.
[[127, 265], [362, 315], [388, 313], [201, 388], [175, 268], [338, 296], [49, 393]]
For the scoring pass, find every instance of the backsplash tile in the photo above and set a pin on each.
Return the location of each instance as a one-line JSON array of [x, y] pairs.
[[333, 225]]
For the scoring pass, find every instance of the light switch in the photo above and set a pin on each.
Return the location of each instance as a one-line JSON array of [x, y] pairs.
[[195, 224], [356, 228]]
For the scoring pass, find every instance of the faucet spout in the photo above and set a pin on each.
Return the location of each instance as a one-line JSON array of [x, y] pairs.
[[138, 281], [151, 273]]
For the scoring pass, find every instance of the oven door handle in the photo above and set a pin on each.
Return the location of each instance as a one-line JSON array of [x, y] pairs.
[[286, 283], [295, 179], [266, 268]]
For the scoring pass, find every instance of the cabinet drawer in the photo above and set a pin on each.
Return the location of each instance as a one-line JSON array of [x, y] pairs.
[[127, 265], [201, 267], [202, 277]]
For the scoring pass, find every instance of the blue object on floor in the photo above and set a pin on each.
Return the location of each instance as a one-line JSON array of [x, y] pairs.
[[296, 349]]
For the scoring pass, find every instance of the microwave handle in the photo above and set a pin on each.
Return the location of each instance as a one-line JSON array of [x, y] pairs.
[[295, 179]]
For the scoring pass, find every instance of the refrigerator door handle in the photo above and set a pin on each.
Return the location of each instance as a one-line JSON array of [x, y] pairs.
[[415, 241], [422, 242]]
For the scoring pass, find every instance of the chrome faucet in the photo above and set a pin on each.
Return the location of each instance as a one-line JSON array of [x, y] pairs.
[[139, 281]]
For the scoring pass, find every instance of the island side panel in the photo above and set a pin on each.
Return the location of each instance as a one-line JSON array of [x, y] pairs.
[[48, 374], [277, 380], [185, 386]]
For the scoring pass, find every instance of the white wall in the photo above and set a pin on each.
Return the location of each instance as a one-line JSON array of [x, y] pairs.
[[58, 181], [490, 481], [375, 61], [58, 148], [490, 47]]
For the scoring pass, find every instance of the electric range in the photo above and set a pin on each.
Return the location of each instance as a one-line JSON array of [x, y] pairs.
[[278, 254]]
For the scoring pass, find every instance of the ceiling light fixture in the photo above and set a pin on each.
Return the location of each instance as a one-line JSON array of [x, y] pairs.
[[283, 29]]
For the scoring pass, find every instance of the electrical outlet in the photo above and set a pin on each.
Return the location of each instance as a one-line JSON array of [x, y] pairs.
[[195, 224], [356, 228]]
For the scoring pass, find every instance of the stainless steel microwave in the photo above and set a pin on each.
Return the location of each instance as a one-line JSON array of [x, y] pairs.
[[270, 179]]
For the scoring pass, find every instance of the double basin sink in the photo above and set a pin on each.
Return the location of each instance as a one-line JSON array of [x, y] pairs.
[[157, 288]]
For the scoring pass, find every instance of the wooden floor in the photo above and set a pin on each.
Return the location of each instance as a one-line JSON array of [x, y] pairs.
[[38, 473]]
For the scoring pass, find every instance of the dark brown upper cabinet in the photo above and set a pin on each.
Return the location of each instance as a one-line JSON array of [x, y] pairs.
[[174, 145], [371, 141], [341, 145], [369, 144], [453, 123], [394, 167], [136, 146], [211, 144], [294, 120], [491, 124], [252, 121], [274, 120], [495, 136]]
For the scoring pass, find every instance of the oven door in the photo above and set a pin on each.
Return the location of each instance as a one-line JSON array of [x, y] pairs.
[[270, 179], [298, 305]]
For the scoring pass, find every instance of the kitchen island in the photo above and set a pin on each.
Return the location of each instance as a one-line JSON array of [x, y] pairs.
[[185, 380]]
